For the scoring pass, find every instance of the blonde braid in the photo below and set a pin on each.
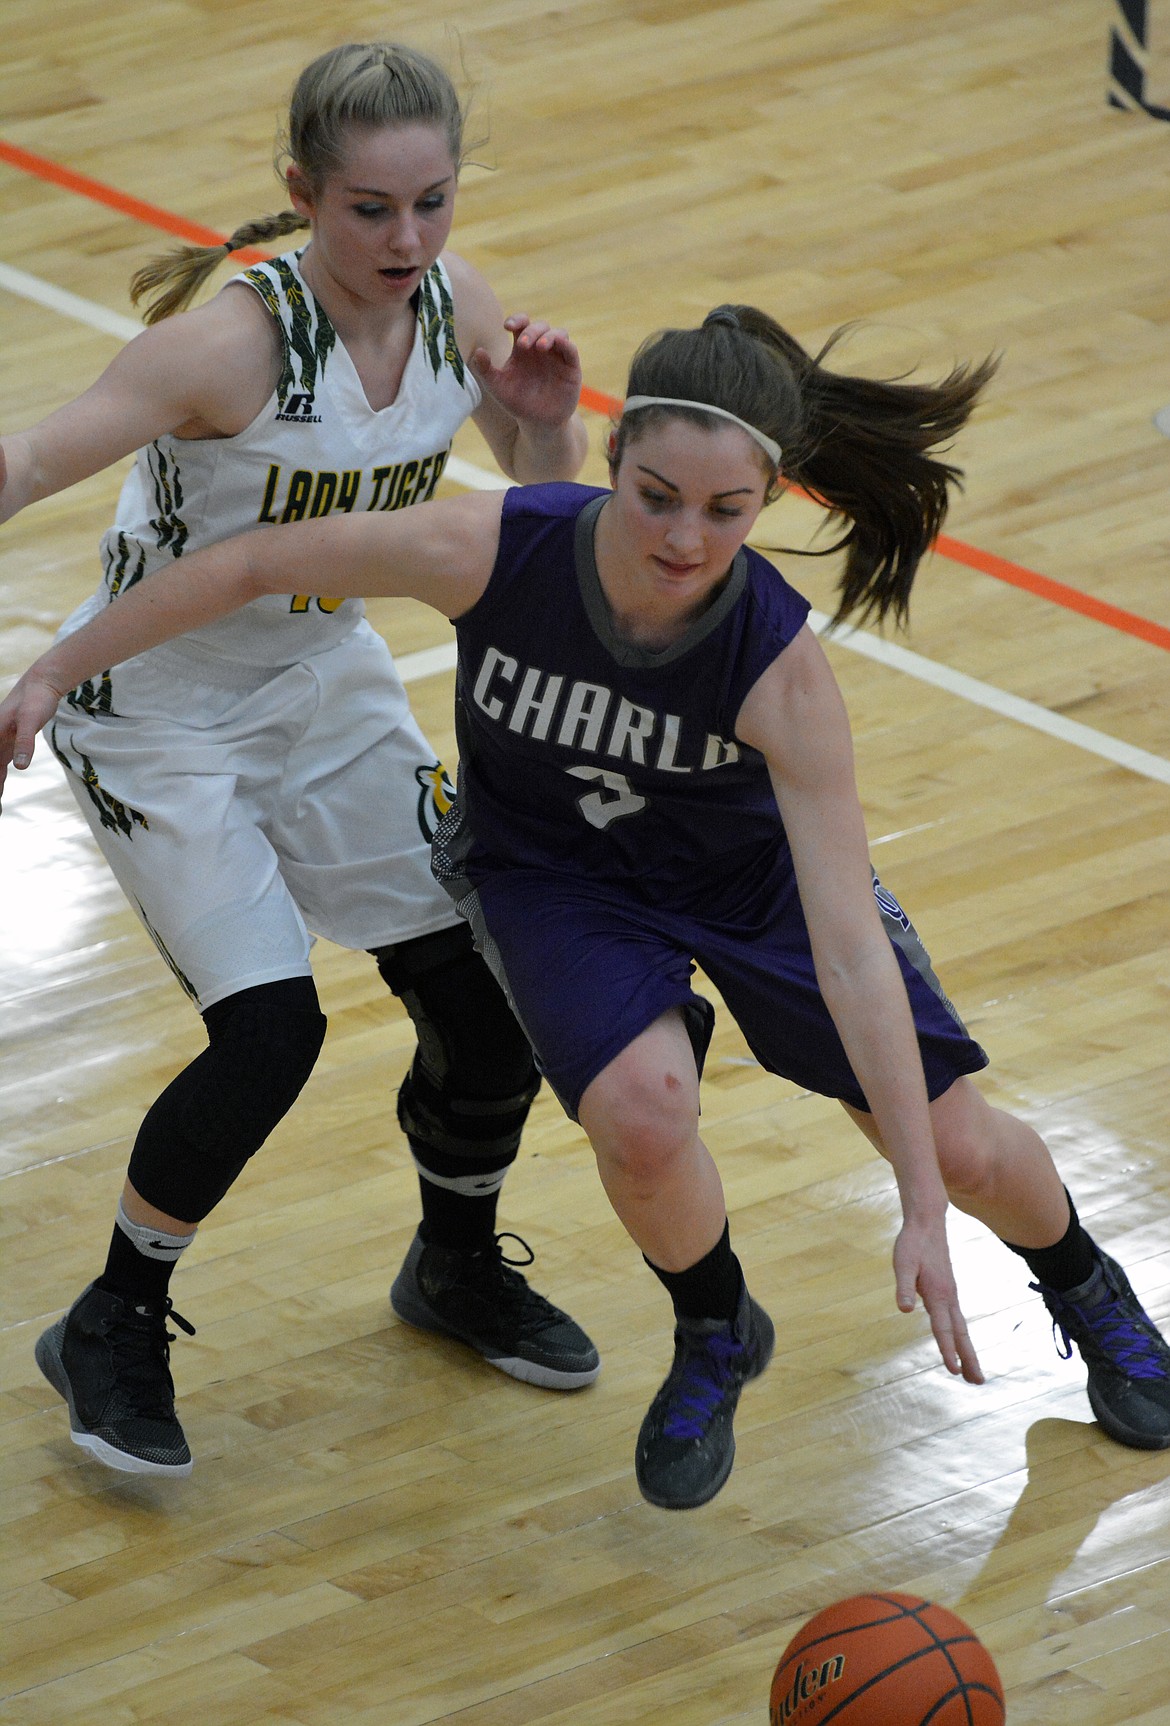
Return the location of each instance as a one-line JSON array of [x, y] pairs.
[[172, 279]]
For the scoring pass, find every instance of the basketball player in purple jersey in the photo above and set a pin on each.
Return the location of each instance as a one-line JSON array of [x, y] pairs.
[[656, 769]]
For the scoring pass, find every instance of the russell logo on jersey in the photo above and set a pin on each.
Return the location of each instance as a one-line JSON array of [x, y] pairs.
[[298, 408]]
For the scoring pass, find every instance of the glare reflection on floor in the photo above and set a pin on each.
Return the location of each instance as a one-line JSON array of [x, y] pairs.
[[55, 887]]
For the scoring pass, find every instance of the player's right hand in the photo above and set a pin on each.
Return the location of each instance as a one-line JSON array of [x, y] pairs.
[[922, 1267], [30, 705]]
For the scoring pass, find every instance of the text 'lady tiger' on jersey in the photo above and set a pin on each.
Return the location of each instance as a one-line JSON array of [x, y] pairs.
[[306, 493]]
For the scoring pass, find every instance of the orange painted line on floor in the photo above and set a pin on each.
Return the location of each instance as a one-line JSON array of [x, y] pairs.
[[1014, 574], [56, 175], [598, 401]]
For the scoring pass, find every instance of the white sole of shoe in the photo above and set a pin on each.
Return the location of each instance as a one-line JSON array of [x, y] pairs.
[[123, 1462]]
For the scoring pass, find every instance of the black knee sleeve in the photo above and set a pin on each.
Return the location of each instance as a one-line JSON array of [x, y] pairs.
[[473, 1077], [198, 1135]]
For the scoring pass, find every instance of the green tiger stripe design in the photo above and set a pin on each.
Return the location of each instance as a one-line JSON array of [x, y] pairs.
[[428, 323], [94, 696], [324, 338], [170, 529], [263, 284], [450, 346], [114, 815], [312, 347], [169, 959], [119, 575], [436, 317], [260, 280], [430, 316]]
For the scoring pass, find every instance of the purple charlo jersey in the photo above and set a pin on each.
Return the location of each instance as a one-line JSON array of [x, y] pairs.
[[583, 754]]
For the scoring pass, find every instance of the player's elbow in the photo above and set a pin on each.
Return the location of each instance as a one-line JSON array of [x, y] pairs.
[[854, 971]]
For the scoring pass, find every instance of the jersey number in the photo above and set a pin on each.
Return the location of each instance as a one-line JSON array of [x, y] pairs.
[[302, 602], [617, 797]]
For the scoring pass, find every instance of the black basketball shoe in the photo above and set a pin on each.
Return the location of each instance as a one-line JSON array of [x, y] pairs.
[[481, 1299], [686, 1445], [108, 1358], [1127, 1358]]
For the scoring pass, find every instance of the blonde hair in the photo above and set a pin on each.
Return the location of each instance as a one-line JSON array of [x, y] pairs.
[[364, 85]]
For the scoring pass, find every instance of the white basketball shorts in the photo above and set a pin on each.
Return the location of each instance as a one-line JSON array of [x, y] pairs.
[[242, 807]]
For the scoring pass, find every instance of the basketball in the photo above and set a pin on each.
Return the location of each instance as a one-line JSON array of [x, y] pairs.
[[886, 1660]]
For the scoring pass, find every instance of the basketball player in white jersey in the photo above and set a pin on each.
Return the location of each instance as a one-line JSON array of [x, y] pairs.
[[264, 777]]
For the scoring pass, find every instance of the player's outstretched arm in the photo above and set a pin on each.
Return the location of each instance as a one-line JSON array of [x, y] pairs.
[[442, 553], [207, 372], [795, 716]]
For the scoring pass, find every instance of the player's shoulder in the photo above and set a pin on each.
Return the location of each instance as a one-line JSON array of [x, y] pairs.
[[466, 281], [213, 367], [233, 333], [479, 318], [766, 584], [554, 499], [537, 526], [772, 601]]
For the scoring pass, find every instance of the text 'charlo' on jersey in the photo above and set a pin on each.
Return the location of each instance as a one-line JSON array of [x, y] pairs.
[[589, 717]]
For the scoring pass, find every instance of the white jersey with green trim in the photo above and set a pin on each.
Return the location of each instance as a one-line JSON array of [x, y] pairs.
[[315, 448]]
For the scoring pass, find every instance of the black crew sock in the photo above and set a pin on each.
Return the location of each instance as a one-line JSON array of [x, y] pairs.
[[709, 1289], [461, 1222], [138, 1275], [1069, 1262]]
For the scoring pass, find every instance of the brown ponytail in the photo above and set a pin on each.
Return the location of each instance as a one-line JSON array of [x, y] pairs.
[[172, 279], [864, 449]]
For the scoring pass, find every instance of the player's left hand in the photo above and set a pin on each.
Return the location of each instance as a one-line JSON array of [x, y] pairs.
[[540, 381], [31, 704], [922, 1266]]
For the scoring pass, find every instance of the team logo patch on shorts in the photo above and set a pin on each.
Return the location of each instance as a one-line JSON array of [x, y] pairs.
[[436, 795]]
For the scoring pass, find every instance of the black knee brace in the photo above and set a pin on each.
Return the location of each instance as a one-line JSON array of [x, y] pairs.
[[201, 1131], [467, 1095]]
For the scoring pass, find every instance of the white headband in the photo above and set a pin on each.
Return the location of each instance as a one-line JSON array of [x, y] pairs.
[[767, 444]]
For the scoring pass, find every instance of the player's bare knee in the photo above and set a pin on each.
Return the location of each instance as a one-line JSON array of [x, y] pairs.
[[648, 1154], [966, 1141], [641, 1121]]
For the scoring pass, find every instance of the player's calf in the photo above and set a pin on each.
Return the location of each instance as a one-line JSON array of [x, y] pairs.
[[462, 1107]]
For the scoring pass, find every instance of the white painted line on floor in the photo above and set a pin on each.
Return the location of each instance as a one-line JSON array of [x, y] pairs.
[[69, 305], [428, 663], [474, 478], [433, 660], [996, 700]]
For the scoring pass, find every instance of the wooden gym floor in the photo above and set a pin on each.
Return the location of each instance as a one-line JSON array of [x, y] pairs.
[[380, 1529]]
